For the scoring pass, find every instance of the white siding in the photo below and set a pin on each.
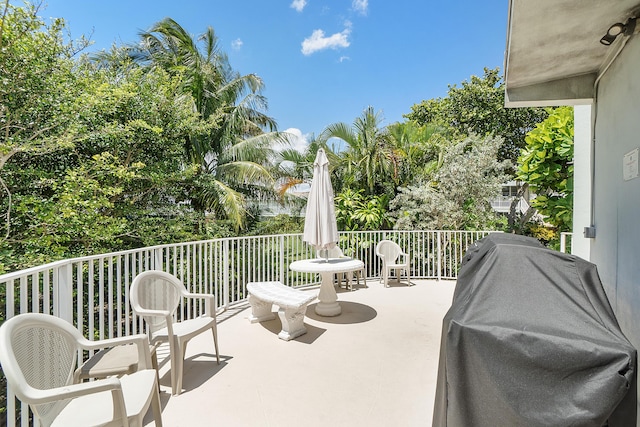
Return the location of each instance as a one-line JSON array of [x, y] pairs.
[[616, 248], [580, 245]]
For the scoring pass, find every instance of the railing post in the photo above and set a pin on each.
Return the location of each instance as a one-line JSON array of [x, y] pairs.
[[283, 269], [563, 240], [439, 254], [226, 266], [63, 306], [157, 259]]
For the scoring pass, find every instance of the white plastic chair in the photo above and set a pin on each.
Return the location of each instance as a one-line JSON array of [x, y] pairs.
[[393, 258], [336, 252], [38, 353], [156, 295]]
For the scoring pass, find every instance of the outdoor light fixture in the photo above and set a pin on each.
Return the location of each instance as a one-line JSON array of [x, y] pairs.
[[618, 28]]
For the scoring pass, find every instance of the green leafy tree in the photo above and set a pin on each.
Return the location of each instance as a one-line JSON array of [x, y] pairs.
[[140, 117], [546, 164], [477, 106], [120, 184], [458, 197], [37, 92]]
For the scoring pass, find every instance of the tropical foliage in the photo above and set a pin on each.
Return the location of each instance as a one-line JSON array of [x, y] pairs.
[[234, 155], [367, 161], [477, 106], [120, 183], [457, 197], [37, 91], [163, 141], [547, 165], [115, 152], [357, 211], [420, 149]]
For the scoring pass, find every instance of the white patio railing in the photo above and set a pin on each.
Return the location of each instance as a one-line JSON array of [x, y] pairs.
[[566, 239], [93, 292]]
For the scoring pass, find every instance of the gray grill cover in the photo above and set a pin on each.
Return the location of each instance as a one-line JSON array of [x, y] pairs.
[[531, 340]]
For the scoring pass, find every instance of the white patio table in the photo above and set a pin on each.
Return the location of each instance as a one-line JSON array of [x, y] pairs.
[[327, 304]]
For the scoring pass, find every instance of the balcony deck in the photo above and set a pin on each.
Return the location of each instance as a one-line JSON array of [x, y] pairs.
[[374, 365]]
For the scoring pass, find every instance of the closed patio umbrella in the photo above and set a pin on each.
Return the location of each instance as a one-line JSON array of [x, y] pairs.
[[320, 226]]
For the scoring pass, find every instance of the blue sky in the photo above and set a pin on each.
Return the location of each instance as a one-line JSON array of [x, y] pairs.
[[323, 61]]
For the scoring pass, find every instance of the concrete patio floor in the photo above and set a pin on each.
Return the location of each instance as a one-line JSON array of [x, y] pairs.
[[374, 365]]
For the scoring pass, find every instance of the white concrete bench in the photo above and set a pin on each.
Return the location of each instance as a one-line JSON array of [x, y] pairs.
[[292, 305]]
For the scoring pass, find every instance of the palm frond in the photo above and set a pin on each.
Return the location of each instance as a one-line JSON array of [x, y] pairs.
[[225, 202], [246, 173]]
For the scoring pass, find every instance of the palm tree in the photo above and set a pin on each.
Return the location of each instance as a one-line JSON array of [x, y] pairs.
[[420, 149], [293, 167], [369, 157], [234, 146]]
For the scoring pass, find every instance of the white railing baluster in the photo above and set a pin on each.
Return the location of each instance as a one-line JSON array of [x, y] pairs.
[[90, 300], [282, 272], [129, 320], [46, 292], [225, 274], [80, 296], [110, 296], [35, 300], [118, 295], [439, 254], [65, 298], [101, 298]]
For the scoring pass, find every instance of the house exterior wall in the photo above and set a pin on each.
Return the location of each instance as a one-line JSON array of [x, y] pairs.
[[580, 245], [616, 247]]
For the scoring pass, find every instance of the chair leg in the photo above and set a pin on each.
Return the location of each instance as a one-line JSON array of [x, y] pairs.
[[349, 280], [182, 350], [154, 363], [175, 353], [155, 403]]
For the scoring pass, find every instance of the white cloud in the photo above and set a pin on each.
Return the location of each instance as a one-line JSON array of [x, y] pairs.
[[236, 44], [298, 5], [317, 41], [344, 58], [360, 6], [297, 140]]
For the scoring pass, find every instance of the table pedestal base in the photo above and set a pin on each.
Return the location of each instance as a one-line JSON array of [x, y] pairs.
[[328, 309], [328, 305]]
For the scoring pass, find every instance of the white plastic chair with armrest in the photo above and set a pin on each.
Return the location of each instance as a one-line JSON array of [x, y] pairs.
[[393, 258], [38, 353], [156, 295]]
